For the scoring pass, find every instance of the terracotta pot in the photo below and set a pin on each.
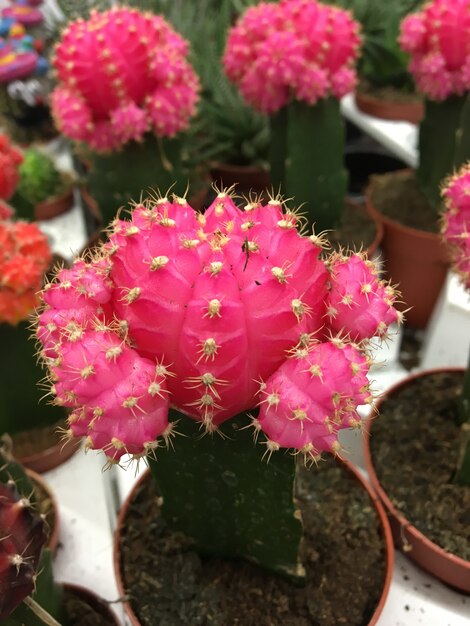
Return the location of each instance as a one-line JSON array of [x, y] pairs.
[[387, 535], [50, 458], [93, 600], [55, 206], [54, 530], [417, 261], [449, 568], [412, 111], [246, 177]]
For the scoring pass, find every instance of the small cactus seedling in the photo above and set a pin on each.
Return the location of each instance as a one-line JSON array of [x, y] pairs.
[[456, 232], [126, 91], [215, 315], [293, 60], [39, 180], [438, 41]]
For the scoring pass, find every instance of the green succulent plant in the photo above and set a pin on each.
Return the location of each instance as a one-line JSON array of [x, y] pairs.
[[226, 129], [382, 63], [39, 180]]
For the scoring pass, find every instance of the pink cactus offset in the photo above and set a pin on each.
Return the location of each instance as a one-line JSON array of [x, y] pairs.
[[438, 40], [122, 73], [359, 304], [197, 311], [456, 221], [298, 49]]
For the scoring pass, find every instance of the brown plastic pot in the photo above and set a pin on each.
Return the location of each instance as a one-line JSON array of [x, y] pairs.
[[412, 111], [55, 206], [246, 177], [387, 536], [415, 260], [449, 568], [96, 602], [50, 458]]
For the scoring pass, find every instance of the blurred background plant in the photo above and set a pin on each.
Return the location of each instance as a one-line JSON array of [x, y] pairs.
[[226, 130], [382, 64]]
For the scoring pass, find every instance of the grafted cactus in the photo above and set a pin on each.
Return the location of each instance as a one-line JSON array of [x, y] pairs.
[[182, 323], [456, 232], [124, 80], [10, 161], [438, 41], [293, 60]]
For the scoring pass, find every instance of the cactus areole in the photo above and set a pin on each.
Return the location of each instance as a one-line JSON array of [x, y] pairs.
[[214, 315]]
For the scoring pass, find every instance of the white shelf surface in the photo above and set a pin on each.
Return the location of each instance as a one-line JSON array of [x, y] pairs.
[[400, 138]]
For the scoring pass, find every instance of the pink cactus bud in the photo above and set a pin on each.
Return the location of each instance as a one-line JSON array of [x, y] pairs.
[[359, 303], [298, 49], [309, 399], [122, 73], [222, 298], [456, 221], [438, 41]]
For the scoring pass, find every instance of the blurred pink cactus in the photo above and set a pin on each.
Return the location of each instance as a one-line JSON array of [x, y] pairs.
[[438, 40], [296, 49], [122, 73], [456, 221]]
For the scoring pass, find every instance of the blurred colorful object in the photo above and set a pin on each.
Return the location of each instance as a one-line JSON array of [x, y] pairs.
[[24, 12], [10, 160]]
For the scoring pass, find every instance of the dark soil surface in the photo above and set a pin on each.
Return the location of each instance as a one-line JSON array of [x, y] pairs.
[[415, 446], [34, 441], [81, 612], [343, 553], [398, 196], [390, 94], [357, 229]]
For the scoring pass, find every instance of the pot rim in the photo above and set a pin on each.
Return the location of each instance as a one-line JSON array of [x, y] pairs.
[[412, 111], [94, 597], [55, 530], [375, 500], [401, 519], [391, 223], [51, 457]]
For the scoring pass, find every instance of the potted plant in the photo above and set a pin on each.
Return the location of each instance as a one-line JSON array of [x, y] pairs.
[[42, 192], [29, 594], [126, 107], [235, 321], [408, 202], [386, 88], [424, 435], [24, 258], [299, 86]]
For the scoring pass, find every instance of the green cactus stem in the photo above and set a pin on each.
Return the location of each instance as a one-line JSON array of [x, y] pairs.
[[21, 407], [219, 492], [438, 143], [117, 177], [307, 159]]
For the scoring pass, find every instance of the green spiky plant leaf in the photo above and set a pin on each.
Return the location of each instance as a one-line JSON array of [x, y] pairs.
[[74, 9]]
